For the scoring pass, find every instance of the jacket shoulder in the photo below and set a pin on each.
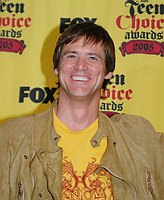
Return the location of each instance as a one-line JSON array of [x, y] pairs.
[[21, 125], [15, 131], [19, 133], [138, 127], [132, 121], [17, 125]]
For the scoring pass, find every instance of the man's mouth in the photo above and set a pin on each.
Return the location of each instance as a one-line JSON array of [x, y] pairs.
[[80, 78]]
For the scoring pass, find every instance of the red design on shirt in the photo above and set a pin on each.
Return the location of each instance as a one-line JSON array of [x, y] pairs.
[[90, 185]]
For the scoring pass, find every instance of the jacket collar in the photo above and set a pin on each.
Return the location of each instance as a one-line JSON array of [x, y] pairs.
[[47, 138], [45, 135], [108, 129]]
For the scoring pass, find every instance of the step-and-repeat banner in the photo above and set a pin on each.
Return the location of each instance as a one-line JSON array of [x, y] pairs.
[[29, 31]]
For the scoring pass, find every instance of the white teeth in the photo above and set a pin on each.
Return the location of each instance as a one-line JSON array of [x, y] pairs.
[[79, 78]]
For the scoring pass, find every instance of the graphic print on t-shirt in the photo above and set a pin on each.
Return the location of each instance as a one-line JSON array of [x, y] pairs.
[[89, 185]]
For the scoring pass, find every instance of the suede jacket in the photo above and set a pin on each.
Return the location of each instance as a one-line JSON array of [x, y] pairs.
[[30, 159]]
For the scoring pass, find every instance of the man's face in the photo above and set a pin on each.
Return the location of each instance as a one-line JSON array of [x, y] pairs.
[[82, 69]]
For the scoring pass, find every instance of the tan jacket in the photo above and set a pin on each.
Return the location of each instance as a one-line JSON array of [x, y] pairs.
[[30, 160]]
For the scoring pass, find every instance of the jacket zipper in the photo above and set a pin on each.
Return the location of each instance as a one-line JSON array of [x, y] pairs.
[[131, 185]]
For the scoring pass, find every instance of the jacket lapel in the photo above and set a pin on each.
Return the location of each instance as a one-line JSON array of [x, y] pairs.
[[48, 152]]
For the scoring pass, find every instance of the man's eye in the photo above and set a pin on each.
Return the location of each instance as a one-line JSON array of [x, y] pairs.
[[71, 56], [92, 58]]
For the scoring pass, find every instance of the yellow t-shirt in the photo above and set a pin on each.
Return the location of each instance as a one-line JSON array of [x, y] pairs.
[[80, 160]]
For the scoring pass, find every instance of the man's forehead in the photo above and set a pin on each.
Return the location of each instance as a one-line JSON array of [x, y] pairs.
[[86, 41], [82, 45]]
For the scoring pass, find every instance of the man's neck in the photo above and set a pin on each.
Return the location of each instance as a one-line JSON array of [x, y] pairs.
[[77, 115]]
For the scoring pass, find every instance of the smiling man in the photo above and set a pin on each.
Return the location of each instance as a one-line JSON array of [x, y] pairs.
[[72, 150], [81, 74], [82, 67]]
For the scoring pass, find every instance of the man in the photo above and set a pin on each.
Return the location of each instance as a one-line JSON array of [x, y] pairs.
[[72, 150]]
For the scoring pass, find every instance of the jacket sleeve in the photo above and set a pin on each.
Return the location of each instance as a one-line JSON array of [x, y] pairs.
[[154, 143], [4, 167], [158, 138], [142, 132]]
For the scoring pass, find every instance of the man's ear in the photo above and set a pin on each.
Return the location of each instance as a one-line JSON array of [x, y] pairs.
[[56, 71], [108, 75]]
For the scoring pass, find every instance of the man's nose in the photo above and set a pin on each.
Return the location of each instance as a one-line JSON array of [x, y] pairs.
[[81, 64]]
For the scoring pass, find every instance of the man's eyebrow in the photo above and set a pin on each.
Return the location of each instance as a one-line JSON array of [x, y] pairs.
[[93, 53], [87, 53], [69, 51]]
